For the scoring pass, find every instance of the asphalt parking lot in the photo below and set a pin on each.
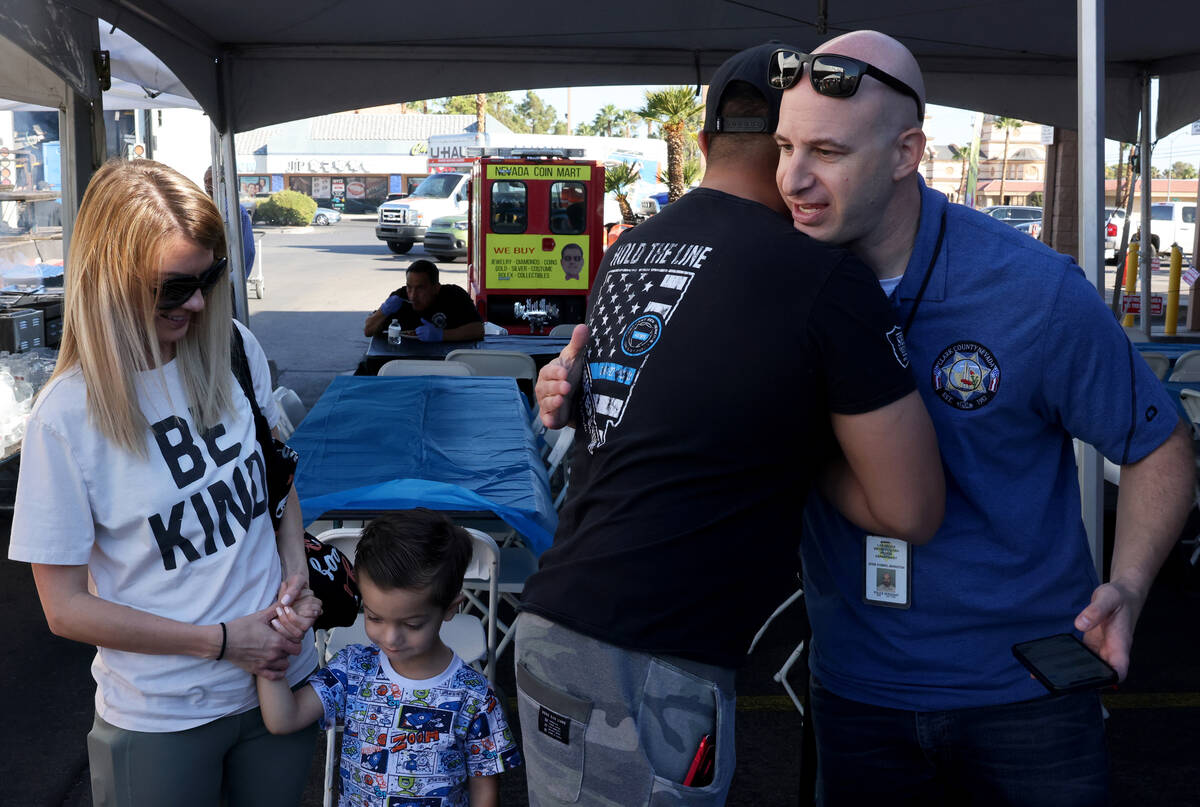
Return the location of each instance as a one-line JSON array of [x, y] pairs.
[[319, 287]]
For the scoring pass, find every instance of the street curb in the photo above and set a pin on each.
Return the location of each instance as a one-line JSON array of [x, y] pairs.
[[283, 230]]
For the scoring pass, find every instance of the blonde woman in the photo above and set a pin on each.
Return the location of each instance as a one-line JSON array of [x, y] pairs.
[[142, 507]]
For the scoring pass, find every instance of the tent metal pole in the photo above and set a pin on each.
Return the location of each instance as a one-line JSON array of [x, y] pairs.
[[226, 190], [1146, 251], [1090, 51]]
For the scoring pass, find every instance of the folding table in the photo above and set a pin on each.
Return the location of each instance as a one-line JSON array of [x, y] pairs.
[[460, 445]]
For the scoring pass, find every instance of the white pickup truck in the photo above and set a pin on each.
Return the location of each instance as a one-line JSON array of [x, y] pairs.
[[402, 222], [1173, 223]]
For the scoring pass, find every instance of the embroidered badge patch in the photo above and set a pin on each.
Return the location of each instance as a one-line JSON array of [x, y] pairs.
[[966, 375], [895, 338]]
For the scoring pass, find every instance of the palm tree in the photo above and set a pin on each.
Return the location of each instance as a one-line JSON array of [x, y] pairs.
[[961, 154], [618, 177], [608, 117], [676, 110], [629, 120], [1006, 125], [480, 112]]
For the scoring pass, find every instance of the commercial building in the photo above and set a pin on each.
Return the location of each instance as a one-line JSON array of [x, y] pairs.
[[348, 160]]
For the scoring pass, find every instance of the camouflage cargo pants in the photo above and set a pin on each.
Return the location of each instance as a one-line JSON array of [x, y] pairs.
[[606, 726]]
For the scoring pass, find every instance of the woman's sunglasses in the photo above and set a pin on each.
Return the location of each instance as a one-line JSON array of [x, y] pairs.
[[832, 75], [175, 291]]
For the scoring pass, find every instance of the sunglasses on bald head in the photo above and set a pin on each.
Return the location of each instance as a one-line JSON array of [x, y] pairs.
[[832, 75], [175, 291]]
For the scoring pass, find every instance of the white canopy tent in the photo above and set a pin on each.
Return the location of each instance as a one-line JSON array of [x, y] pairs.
[[1082, 66], [259, 63]]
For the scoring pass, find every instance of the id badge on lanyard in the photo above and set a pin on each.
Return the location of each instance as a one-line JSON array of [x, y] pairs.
[[887, 572], [887, 562]]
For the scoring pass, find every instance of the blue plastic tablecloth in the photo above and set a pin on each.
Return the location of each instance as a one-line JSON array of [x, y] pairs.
[[446, 443]]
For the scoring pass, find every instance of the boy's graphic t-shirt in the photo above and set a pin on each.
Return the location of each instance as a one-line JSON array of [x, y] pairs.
[[412, 743]]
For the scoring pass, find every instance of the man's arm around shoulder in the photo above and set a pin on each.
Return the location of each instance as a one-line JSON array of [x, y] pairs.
[[889, 481]]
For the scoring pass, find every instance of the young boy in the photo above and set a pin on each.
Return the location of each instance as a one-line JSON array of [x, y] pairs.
[[422, 729]]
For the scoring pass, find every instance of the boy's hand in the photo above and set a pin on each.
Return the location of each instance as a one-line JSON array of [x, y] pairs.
[[293, 621]]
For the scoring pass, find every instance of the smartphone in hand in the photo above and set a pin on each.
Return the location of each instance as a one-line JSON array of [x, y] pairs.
[[1064, 664]]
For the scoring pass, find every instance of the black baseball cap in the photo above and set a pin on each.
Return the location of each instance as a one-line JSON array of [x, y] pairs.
[[751, 66]]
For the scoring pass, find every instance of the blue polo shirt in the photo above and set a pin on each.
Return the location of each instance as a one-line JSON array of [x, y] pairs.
[[1014, 354]]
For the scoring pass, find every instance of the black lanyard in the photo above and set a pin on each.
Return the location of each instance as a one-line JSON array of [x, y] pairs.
[[937, 248]]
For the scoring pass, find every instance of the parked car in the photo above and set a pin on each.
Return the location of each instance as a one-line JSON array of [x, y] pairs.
[[1114, 220], [1033, 228], [446, 238], [325, 216], [1014, 214]]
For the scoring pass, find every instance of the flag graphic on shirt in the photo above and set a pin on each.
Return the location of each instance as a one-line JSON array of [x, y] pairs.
[[629, 314]]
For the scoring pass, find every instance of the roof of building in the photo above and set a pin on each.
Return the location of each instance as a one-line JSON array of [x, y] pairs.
[[947, 152], [360, 132]]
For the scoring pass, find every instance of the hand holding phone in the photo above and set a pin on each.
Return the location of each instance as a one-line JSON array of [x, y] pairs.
[[1064, 664]]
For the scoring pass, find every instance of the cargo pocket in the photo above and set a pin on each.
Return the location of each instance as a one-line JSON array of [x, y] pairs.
[[553, 724], [677, 710]]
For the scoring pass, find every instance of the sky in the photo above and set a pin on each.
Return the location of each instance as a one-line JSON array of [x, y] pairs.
[[943, 125]]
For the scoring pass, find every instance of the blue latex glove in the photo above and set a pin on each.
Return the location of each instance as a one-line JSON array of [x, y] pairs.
[[392, 304], [428, 332]]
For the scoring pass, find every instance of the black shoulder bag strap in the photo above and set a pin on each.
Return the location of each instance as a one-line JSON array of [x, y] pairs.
[[279, 459]]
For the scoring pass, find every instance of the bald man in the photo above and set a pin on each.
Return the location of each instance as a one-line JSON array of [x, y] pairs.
[[916, 695], [670, 552]]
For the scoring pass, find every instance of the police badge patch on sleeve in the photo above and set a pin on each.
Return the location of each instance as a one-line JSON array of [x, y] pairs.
[[895, 338]]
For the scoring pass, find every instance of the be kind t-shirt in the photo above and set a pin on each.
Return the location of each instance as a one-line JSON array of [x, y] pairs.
[[182, 533]]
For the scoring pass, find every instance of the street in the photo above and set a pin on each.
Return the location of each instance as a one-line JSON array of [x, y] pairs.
[[319, 287]]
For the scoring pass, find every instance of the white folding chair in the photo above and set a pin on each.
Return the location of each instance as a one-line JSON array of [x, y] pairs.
[[501, 572], [464, 634], [290, 407], [1187, 367], [284, 427], [781, 677], [563, 329], [1159, 363], [560, 446], [492, 329], [510, 363], [1190, 399], [424, 367]]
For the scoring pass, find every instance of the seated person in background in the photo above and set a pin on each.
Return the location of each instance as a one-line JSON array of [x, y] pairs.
[[410, 567], [248, 248], [435, 312]]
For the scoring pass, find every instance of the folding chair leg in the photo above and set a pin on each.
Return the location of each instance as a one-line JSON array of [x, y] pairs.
[[781, 677], [331, 767]]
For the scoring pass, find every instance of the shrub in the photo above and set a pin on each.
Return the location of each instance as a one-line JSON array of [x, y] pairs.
[[286, 207]]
